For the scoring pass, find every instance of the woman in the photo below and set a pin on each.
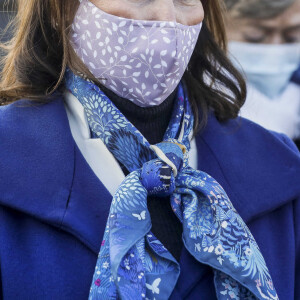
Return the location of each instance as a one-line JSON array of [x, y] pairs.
[[265, 43], [98, 196]]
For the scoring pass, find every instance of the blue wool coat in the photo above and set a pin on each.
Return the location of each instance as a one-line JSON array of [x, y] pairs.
[[53, 208]]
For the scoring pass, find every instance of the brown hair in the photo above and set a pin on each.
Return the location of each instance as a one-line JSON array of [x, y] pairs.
[[39, 52]]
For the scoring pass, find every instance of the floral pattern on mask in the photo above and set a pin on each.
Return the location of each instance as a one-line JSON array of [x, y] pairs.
[[142, 61]]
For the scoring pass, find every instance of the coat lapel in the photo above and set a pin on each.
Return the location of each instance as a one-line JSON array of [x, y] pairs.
[[43, 174], [37, 159], [88, 206]]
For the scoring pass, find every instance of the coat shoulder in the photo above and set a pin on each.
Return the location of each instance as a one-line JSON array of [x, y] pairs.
[[258, 168], [12, 116], [26, 119], [29, 132], [246, 138], [258, 132], [36, 150]]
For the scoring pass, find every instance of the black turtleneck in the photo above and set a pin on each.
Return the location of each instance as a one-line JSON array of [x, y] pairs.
[[152, 122]]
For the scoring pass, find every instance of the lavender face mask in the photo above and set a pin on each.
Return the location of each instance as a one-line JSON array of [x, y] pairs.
[[142, 61]]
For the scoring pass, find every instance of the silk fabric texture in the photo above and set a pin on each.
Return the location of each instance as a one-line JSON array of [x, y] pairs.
[[140, 60], [132, 263]]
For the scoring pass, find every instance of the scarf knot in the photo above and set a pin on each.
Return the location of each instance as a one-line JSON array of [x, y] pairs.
[[132, 262], [158, 175]]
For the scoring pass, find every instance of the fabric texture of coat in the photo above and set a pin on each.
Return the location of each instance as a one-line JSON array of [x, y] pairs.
[[53, 208]]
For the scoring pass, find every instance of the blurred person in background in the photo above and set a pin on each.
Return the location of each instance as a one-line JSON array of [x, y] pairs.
[[264, 42]]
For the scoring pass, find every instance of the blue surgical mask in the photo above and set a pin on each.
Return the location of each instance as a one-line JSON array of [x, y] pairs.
[[267, 67]]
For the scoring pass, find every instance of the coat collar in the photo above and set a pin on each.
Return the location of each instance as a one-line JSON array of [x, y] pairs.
[[38, 159], [44, 174]]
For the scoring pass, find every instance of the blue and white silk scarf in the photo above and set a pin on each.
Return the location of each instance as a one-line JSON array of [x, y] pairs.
[[133, 263]]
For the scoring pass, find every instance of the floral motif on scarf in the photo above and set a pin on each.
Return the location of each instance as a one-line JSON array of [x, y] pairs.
[[132, 262]]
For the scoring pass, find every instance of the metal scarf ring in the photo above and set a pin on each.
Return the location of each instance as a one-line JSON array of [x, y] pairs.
[[133, 263]]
